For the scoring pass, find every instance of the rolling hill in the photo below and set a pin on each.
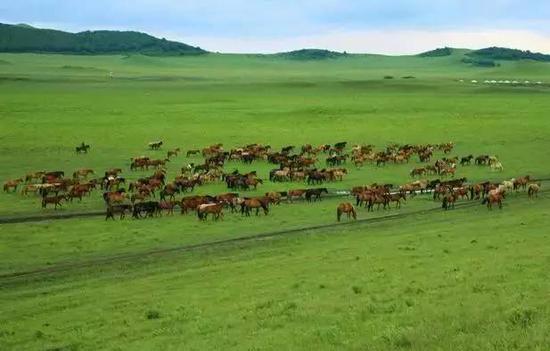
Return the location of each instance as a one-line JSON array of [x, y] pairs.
[[311, 54], [24, 38], [506, 54]]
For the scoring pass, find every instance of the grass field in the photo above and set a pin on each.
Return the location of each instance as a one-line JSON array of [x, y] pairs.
[[468, 279]]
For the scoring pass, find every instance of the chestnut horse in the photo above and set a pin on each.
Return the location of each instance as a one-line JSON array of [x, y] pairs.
[[346, 208], [255, 203], [216, 210], [494, 197]]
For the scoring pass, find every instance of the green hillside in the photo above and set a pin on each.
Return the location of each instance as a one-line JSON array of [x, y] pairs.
[[24, 38], [311, 54], [496, 53]]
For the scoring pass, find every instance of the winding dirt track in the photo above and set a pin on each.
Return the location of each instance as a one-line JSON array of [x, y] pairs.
[[42, 271], [64, 267]]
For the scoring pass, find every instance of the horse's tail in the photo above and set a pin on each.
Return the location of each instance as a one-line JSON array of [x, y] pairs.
[[353, 213], [444, 203], [338, 214]]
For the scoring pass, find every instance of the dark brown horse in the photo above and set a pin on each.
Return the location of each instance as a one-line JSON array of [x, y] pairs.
[[55, 200], [315, 194], [118, 208]]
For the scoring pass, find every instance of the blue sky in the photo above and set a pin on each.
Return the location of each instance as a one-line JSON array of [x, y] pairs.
[[396, 27]]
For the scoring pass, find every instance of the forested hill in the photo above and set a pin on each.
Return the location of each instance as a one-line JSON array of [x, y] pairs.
[[24, 38]]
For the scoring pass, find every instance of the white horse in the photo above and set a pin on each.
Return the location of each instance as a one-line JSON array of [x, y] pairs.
[[497, 166]]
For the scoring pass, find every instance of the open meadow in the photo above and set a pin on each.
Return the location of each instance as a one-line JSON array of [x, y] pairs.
[[414, 278]]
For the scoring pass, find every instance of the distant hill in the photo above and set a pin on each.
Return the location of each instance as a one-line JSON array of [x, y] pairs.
[[446, 51], [496, 53], [311, 54], [24, 38]]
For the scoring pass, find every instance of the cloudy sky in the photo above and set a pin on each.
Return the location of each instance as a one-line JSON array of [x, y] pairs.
[[373, 26]]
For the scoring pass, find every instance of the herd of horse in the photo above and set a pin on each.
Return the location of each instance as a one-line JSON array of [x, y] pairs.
[[139, 197]]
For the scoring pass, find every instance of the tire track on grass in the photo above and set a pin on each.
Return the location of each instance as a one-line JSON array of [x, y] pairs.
[[63, 267]]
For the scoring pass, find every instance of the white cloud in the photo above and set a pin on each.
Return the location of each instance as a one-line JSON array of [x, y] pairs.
[[377, 41]]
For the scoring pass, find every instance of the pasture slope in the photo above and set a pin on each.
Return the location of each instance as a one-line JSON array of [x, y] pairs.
[[468, 279]]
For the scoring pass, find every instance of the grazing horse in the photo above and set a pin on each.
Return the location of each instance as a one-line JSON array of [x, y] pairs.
[[82, 148], [114, 196], [155, 145], [228, 199], [533, 190], [253, 182], [448, 202], [254, 203], [36, 175], [168, 206], [297, 193], [55, 200], [397, 198], [149, 207], [12, 184], [521, 182], [346, 208], [466, 160], [315, 194], [83, 172], [274, 197], [192, 153], [493, 197], [215, 209], [379, 200], [497, 166], [418, 172], [174, 152], [191, 202], [118, 208], [169, 190]]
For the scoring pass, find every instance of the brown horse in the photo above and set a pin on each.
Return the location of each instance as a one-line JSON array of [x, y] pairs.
[[346, 208], [168, 206], [397, 198], [192, 152], [119, 208], [83, 172], [228, 199], [174, 152], [35, 175], [191, 203], [254, 203], [533, 190], [418, 172], [448, 201], [12, 184], [113, 172], [297, 193], [215, 209], [55, 200], [112, 197], [494, 197], [274, 197], [521, 182]]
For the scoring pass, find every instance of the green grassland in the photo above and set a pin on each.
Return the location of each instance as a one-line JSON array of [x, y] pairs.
[[459, 280], [51, 103], [469, 279]]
